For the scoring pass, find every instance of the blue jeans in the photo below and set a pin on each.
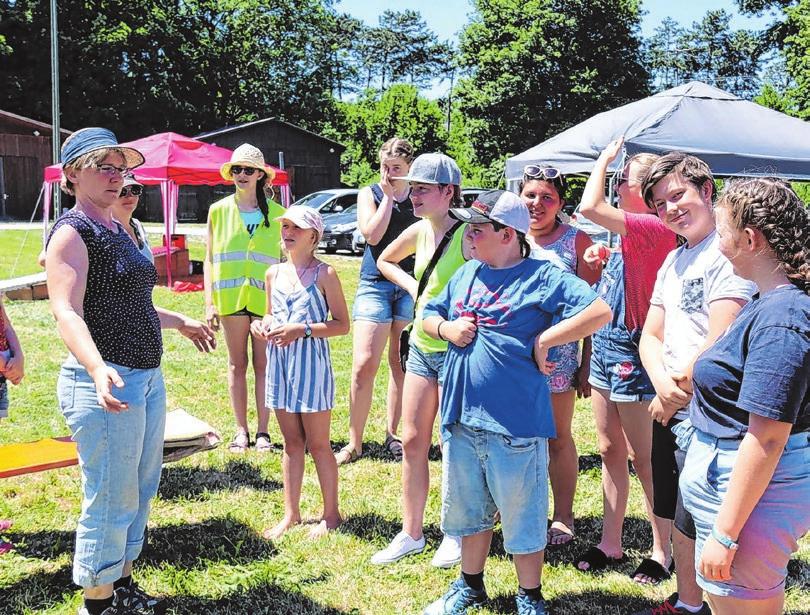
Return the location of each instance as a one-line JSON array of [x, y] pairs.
[[381, 301], [771, 534], [484, 472], [120, 456]]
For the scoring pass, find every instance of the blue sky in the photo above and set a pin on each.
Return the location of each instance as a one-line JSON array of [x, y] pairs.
[[447, 17]]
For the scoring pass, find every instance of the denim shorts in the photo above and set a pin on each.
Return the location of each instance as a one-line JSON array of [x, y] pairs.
[[120, 456], [616, 368], [426, 364], [484, 472], [3, 399], [381, 301], [771, 533]]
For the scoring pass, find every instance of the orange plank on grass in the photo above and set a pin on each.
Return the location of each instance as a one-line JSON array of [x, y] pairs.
[[28, 457]]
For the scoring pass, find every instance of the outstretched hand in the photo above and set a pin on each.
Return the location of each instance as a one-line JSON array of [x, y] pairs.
[[199, 333]]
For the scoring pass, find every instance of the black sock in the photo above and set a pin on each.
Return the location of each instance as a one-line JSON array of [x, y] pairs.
[[534, 593], [476, 581], [123, 582], [97, 607]]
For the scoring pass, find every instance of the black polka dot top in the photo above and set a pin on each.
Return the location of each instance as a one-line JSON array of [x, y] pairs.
[[118, 306]]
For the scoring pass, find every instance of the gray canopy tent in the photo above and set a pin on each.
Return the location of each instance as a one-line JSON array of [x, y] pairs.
[[734, 136]]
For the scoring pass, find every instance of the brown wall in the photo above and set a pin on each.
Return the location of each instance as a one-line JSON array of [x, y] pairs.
[[24, 158]]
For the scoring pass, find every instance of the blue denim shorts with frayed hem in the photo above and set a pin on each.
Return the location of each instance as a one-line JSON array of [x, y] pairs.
[[426, 364], [484, 472], [616, 367], [381, 301], [770, 535], [120, 455]]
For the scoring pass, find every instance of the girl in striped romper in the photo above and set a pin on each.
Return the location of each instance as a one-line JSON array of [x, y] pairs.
[[302, 293]]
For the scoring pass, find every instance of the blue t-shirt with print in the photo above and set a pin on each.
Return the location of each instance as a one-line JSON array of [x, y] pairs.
[[493, 383], [759, 366]]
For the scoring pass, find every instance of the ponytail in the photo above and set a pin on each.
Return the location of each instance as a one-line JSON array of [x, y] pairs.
[[261, 199]]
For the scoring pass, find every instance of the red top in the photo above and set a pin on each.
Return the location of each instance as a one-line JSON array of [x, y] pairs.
[[644, 247]]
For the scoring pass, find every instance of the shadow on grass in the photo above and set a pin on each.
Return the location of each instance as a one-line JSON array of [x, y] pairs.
[[37, 591], [191, 482], [265, 599], [220, 539], [377, 452], [594, 462], [214, 540]]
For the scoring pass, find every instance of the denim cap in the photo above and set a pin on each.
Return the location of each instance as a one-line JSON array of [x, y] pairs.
[[433, 169], [89, 140], [501, 206], [303, 217]]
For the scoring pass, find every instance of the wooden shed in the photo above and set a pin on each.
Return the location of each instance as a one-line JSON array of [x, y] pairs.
[[312, 161], [25, 151]]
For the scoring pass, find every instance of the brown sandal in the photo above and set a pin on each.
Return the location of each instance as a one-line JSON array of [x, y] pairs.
[[346, 455]]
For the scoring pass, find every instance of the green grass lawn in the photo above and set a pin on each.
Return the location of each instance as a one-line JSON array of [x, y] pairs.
[[206, 551]]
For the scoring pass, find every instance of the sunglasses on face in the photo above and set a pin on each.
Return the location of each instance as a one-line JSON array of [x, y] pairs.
[[236, 170], [110, 170], [132, 191], [533, 171]]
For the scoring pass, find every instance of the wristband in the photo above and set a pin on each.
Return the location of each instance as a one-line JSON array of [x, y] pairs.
[[724, 540], [439, 331]]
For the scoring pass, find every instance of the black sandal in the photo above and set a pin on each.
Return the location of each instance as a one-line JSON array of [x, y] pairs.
[[597, 560], [394, 446], [653, 570]]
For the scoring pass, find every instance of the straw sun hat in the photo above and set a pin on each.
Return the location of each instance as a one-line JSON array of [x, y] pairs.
[[246, 156]]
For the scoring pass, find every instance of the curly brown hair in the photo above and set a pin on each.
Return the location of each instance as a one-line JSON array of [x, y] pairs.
[[770, 205]]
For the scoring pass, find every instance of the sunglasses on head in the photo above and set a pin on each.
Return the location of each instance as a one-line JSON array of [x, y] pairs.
[[132, 191], [533, 171], [236, 170]]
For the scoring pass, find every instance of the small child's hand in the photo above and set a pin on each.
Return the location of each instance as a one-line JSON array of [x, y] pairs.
[[286, 334], [460, 331], [14, 369]]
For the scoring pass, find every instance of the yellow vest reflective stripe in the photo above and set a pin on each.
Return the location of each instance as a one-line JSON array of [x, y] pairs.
[[239, 260]]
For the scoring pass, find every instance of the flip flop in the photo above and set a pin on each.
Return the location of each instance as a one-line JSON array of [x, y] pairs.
[[346, 455], [5, 524], [5, 547], [394, 446], [240, 443], [263, 442], [597, 560], [652, 569], [561, 532]]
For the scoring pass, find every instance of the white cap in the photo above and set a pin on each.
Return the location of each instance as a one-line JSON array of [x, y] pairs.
[[303, 217]]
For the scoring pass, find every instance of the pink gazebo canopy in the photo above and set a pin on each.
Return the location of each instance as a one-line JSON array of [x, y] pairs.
[[172, 160], [183, 160]]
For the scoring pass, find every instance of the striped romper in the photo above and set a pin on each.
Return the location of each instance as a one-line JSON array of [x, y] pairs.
[[299, 376]]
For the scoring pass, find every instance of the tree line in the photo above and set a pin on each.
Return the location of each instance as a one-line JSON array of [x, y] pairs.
[[519, 73]]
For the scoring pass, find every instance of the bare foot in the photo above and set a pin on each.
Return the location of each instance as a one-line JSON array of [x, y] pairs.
[[323, 527], [274, 533]]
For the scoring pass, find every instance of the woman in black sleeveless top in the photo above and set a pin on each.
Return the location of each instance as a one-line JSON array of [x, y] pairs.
[[381, 309], [110, 388]]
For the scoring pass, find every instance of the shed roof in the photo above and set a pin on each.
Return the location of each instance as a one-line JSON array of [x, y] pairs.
[[205, 136]]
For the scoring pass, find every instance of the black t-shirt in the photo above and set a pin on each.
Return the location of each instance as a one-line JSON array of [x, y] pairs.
[[401, 218], [118, 305], [761, 365]]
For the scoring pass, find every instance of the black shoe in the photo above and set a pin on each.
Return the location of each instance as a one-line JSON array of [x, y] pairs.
[[138, 601]]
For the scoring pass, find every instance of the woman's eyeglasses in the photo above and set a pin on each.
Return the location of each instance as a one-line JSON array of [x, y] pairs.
[[132, 191], [533, 171], [110, 170], [236, 170]]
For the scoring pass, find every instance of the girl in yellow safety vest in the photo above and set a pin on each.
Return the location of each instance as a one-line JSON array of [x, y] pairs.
[[243, 241]]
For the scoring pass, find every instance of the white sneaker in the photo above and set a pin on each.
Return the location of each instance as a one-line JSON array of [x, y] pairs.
[[401, 546], [448, 554]]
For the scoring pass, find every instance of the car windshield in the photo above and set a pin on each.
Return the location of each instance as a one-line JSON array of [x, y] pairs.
[[315, 200]]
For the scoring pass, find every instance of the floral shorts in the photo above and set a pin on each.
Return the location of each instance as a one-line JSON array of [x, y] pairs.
[[566, 359]]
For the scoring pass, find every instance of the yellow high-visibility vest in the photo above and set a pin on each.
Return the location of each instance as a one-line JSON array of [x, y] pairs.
[[239, 260]]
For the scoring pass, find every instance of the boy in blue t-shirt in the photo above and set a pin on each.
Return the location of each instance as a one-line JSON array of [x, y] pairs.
[[500, 314]]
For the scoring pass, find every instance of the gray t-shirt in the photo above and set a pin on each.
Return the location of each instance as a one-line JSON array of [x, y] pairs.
[[689, 280]]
